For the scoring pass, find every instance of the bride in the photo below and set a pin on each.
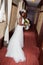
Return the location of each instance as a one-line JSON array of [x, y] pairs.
[[15, 46]]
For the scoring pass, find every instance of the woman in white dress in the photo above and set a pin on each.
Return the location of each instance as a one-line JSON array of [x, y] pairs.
[[15, 46]]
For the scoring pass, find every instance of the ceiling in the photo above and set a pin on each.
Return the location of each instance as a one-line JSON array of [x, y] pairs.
[[33, 2], [29, 2]]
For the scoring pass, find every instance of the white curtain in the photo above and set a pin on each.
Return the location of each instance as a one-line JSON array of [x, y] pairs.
[[2, 11], [6, 38]]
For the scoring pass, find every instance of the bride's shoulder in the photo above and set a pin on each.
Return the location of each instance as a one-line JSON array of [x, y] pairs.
[[20, 19]]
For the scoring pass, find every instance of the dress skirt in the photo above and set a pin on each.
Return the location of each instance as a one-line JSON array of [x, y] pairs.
[[15, 46]]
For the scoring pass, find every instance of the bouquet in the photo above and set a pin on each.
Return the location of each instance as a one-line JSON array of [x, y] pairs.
[[27, 24]]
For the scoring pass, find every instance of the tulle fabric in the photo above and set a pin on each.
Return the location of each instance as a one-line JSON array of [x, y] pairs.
[[15, 46]]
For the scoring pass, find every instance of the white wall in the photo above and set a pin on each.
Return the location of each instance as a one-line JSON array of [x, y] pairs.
[[9, 9]]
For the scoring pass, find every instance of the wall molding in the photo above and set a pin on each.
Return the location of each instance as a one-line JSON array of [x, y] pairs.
[[14, 4]]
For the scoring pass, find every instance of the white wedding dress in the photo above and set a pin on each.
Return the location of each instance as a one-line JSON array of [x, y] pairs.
[[15, 46]]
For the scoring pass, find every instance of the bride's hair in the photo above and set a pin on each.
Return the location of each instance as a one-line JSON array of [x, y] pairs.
[[20, 12]]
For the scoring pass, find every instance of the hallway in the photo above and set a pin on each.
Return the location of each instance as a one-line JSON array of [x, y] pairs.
[[33, 38]]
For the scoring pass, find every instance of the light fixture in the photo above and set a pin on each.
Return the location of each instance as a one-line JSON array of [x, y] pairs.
[[33, 0]]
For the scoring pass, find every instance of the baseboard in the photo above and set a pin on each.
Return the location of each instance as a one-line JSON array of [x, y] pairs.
[[1, 42]]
